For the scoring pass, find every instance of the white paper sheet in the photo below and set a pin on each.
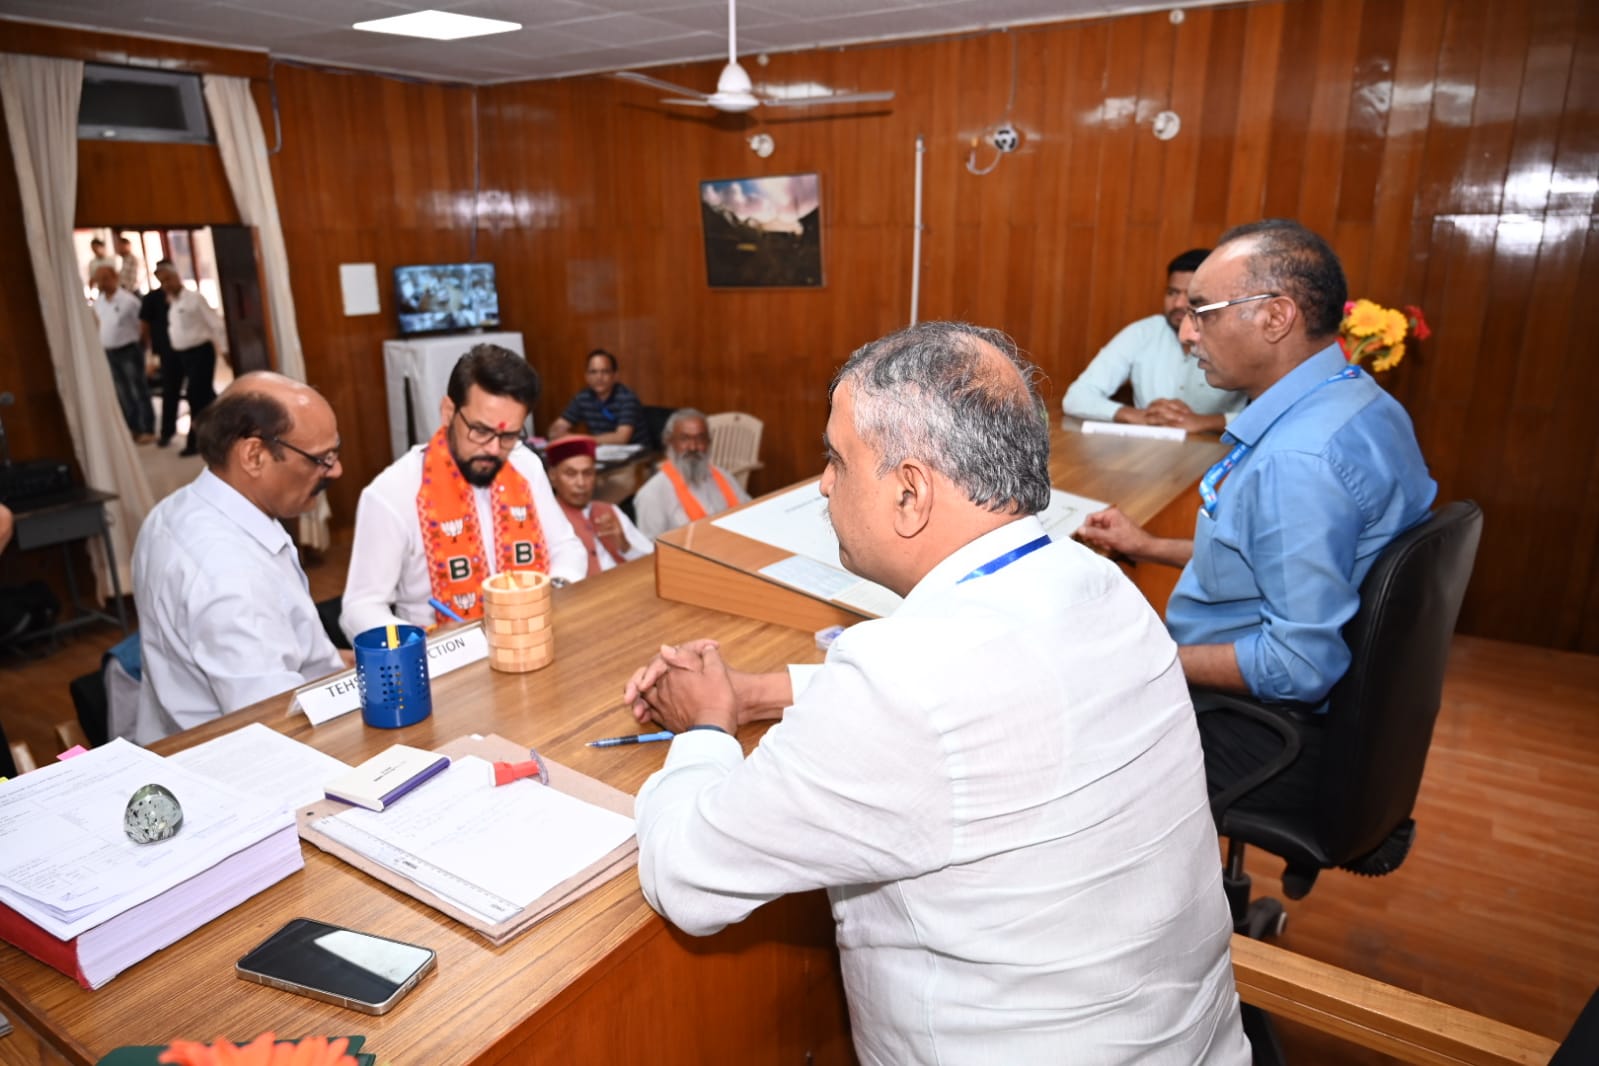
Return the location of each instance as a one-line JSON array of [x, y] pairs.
[[795, 521], [260, 761], [516, 841], [1066, 512], [1128, 429], [811, 577], [66, 863], [359, 284]]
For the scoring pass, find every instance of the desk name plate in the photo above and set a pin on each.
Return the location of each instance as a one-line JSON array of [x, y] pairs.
[[340, 694]]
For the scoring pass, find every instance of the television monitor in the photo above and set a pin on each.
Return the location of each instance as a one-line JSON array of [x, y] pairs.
[[446, 296]]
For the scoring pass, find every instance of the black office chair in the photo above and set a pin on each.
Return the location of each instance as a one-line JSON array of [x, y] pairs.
[[328, 612], [655, 425], [1376, 731]]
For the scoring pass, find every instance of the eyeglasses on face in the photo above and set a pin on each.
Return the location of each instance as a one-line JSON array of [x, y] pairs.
[[481, 434], [1193, 313], [327, 461]]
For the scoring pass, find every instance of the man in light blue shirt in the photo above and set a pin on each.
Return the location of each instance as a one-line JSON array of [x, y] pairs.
[[1325, 472], [1169, 388]]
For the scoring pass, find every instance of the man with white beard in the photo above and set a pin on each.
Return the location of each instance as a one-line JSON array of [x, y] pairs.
[[688, 485]]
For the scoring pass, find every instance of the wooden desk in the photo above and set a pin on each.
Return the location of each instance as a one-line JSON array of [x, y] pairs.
[[78, 514], [1154, 482], [604, 980], [617, 479]]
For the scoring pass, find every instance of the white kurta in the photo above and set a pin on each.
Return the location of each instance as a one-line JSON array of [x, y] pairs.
[[659, 510], [388, 578], [225, 612], [1001, 788], [1148, 354]]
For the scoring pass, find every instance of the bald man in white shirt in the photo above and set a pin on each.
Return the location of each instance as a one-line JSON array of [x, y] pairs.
[[225, 612], [1000, 786]]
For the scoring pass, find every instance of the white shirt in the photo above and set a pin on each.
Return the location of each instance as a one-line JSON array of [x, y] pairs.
[[1001, 788], [225, 612], [1149, 355], [659, 509], [191, 322], [388, 578], [119, 319], [128, 272], [635, 545]]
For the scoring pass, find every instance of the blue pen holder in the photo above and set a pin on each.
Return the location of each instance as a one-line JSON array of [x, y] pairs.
[[393, 681]]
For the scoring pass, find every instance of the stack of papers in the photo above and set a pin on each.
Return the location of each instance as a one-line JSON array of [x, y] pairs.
[[491, 851], [76, 893], [259, 761], [615, 453]]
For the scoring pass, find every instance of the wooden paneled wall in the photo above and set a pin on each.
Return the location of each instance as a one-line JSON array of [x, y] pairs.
[[126, 183], [373, 170], [1448, 148]]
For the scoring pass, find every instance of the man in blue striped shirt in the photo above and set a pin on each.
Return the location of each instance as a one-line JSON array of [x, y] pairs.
[[609, 409]]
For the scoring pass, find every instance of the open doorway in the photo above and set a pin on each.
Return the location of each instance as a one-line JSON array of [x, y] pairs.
[[177, 382]]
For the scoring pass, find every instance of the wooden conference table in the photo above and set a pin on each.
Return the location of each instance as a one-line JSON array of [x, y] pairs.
[[606, 980], [603, 981], [1154, 481]]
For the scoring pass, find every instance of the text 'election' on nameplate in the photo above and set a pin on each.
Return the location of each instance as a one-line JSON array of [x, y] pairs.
[[339, 693]]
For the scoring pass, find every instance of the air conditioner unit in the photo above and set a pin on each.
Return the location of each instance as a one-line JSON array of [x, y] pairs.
[[140, 104]]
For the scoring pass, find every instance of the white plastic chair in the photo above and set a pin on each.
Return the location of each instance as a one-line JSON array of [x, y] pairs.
[[736, 444]]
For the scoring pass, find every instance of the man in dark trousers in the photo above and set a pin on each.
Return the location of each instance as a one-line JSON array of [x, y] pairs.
[[153, 328]]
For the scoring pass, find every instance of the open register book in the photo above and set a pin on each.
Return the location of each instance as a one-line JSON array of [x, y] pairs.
[[497, 859]]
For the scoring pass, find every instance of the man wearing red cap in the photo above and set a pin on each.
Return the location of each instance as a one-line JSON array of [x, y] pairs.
[[611, 538]]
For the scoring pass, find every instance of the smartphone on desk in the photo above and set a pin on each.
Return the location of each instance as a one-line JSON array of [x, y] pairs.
[[337, 965]]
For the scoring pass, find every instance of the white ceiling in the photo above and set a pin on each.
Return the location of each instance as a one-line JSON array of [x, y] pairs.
[[558, 37]]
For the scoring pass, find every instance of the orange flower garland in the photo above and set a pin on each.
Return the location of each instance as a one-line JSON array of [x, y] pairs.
[[262, 1051]]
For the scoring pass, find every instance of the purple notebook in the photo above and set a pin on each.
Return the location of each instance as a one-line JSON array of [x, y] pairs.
[[387, 776]]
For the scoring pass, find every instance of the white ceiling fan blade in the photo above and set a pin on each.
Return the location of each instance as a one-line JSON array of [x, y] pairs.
[[831, 98], [657, 83], [700, 102]]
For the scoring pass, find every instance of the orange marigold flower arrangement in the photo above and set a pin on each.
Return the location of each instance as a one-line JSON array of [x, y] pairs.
[[262, 1051], [1372, 331]]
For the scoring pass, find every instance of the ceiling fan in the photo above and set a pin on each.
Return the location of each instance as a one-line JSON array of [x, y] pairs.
[[735, 92]]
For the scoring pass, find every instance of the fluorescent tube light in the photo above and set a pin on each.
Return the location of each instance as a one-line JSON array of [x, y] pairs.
[[438, 25]]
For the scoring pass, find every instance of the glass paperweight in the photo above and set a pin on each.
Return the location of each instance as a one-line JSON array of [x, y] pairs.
[[153, 814]]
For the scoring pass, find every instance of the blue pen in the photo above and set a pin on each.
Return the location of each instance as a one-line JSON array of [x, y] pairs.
[[641, 738], [443, 608]]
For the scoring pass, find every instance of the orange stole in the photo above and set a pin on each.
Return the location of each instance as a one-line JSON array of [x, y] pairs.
[[583, 526], [685, 497], [447, 509]]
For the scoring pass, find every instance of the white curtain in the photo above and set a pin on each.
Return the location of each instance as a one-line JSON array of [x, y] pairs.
[[244, 156], [41, 107]]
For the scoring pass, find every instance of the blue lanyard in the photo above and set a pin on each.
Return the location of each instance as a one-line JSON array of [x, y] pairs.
[[1214, 476], [993, 566]]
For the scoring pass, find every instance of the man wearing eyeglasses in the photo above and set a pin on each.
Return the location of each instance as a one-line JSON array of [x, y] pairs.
[[1169, 388], [471, 502], [225, 612], [1324, 473]]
